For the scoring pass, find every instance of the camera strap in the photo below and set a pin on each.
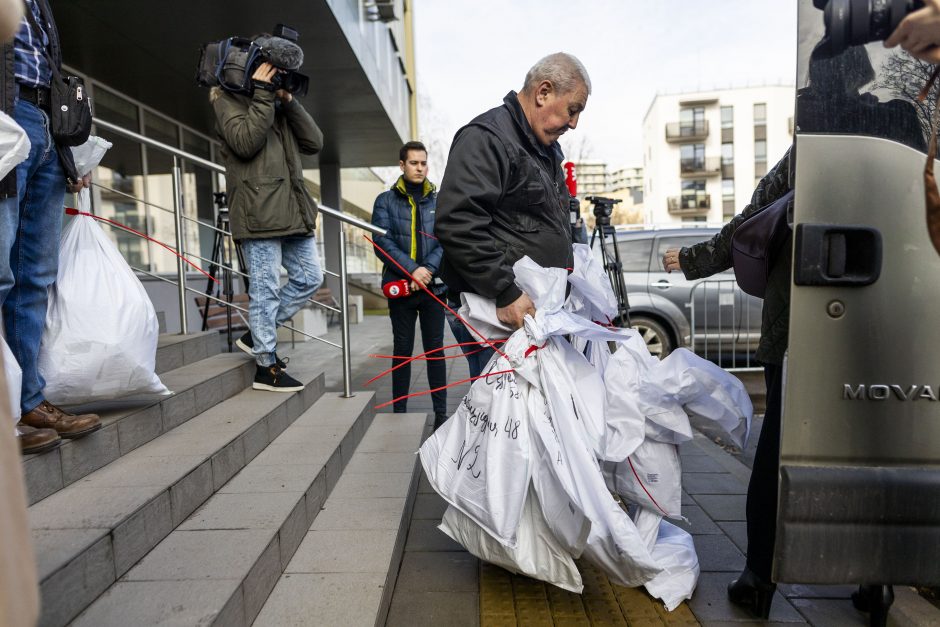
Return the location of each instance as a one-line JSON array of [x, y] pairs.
[[931, 193]]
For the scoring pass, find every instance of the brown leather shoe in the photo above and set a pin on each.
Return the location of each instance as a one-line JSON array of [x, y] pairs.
[[34, 441], [48, 416]]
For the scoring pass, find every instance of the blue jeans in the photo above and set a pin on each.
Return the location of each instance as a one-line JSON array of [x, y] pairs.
[[271, 305], [477, 356], [30, 225]]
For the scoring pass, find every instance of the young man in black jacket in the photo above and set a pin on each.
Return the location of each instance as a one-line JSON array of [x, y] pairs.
[[406, 212], [504, 195]]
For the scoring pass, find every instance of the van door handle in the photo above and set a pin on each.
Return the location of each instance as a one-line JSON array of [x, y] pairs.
[[662, 284]]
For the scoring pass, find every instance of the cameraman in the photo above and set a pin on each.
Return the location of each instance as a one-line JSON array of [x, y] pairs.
[[272, 214]]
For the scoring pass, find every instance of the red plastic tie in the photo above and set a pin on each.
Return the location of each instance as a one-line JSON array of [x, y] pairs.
[[75, 212]]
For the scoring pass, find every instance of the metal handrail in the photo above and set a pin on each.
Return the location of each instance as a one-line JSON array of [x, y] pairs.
[[181, 155]]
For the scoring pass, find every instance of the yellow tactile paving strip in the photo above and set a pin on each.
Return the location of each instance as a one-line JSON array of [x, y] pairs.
[[508, 600]]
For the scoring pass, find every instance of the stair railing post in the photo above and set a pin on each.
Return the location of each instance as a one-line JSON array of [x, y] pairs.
[[178, 228], [344, 312]]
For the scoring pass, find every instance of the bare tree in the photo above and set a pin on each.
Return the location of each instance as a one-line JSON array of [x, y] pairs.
[[904, 77], [577, 148]]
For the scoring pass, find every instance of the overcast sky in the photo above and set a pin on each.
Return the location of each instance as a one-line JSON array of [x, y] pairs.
[[470, 54]]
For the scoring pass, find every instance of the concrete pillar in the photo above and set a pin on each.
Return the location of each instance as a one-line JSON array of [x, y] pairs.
[[331, 196]]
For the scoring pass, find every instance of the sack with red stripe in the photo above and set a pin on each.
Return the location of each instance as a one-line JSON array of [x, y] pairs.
[[651, 477]]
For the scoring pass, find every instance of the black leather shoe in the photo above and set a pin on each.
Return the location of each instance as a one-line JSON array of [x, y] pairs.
[[439, 419], [752, 592], [876, 600]]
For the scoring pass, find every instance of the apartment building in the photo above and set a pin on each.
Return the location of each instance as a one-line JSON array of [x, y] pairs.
[[703, 152], [628, 180], [592, 177]]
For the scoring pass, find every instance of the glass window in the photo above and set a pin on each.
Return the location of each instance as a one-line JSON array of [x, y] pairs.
[[760, 113], [635, 254], [727, 154], [691, 120], [727, 117], [760, 151], [727, 189]]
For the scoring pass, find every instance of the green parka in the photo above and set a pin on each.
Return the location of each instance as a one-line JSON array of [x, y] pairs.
[[712, 256], [262, 141]]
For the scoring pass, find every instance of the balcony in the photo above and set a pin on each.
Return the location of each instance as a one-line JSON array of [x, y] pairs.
[[689, 204], [695, 168], [684, 132]]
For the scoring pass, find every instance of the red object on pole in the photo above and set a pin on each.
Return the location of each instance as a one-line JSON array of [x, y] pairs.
[[571, 179]]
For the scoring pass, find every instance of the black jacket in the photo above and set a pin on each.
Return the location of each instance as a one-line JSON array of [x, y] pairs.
[[8, 89], [712, 256], [503, 196]]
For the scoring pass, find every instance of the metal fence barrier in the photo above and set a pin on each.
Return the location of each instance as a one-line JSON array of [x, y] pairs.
[[725, 324]]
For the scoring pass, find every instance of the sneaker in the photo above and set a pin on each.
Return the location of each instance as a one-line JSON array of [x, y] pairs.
[[246, 344], [48, 416], [274, 379], [34, 440]]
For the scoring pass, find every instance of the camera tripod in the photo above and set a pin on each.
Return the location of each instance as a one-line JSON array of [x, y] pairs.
[[222, 259], [603, 207]]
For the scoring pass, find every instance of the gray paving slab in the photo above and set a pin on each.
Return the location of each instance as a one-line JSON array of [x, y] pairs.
[[190, 492], [134, 537], [344, 551], [807, 591], [42, 475], [261, 579], [85, 577], [717, 553], [736, 532], [438, 572], [710, 602], [88, 507], [433, 609], [698, 522], [700, 463], [372, 485], [830, 613], [55, 548], [257, 478], [382, 462], [202, 554], [128, 472], [382, 513], [721, 507], [259, 510], [333, 599], [429, 507], [424, 535], [712, 483], [176, 603]]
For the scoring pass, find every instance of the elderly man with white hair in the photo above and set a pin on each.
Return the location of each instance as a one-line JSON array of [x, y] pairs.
[[503, 195]]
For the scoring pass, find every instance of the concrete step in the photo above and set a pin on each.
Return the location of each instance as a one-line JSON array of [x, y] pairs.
[[175, 350], [127, 424], [219, 566], [91, 532], [346, 566]]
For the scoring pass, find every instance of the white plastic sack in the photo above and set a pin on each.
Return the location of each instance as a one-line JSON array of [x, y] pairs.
[[651, 477], [703, 389], [674, 551], [14, 377], [478, 461], [537, 554], [591, 295], [100, 336], [14, 144], [89, 155]]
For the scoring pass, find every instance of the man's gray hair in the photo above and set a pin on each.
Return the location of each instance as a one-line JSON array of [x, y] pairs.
[[563, 70]]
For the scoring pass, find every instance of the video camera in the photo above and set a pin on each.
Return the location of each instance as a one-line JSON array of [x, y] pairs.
[[230, 63], [857, 22]]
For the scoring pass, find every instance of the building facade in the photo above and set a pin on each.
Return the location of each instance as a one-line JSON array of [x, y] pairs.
[[703, 152], [592, 177], [628, 180]]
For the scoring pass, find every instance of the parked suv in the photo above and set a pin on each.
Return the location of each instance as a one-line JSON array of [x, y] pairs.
[[662, 305]]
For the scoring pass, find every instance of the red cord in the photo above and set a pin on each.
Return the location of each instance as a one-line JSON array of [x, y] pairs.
[[75, 212], [640, 481], [449, 385]]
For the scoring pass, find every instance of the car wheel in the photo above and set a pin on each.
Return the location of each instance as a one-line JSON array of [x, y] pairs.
[[657, 338]]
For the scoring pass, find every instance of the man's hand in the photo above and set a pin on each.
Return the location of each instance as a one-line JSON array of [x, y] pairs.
[[422, 274], [919, 33], [83, 183], [671, 260], [264, 73], [514, 313]]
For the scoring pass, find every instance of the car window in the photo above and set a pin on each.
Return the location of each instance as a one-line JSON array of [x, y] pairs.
[[635, 254], [677, 241]]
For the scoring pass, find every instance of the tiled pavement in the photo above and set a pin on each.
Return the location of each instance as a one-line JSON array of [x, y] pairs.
[[441, 584]]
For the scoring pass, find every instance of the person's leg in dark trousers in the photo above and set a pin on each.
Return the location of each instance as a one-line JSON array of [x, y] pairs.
[[402, 312], [762, 489], [431, 316]]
